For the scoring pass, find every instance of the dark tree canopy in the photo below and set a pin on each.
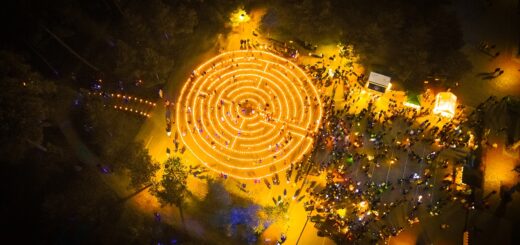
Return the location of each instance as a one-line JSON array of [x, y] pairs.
[[172, 189], [23, 99], [138, 163], [109, 132], [410, 42], [123, 40]]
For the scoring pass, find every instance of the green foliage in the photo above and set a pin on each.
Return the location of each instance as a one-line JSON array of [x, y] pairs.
[[111, 131], [126, 40], [138, 163], [172, 188], [23, 98], [111, 135], [277, 212], [307, 19], [409, 42], [149, 40]]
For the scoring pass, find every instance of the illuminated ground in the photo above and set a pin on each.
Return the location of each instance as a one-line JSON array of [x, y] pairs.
[[240, 156], [248, 114]]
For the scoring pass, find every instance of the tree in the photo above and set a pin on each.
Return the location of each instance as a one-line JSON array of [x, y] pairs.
[[277, 212], [410, 43], [151, 37], [25, 111], [136, 160], [172, 189], [126, 61], [108, 131], [238, 217]]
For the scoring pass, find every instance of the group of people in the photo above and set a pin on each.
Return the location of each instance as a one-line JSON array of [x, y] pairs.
[[363, 143], [379, 162]]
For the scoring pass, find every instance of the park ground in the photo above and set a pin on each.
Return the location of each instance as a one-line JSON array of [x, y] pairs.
[[471, 91]]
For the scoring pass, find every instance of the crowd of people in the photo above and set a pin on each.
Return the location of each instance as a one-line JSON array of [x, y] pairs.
[[362, 143], [378, 161]]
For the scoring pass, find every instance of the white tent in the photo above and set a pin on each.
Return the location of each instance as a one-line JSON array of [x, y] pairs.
[[378, 82], [445, 104]]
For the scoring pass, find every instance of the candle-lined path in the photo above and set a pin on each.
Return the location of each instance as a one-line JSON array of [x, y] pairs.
[[248, 114]]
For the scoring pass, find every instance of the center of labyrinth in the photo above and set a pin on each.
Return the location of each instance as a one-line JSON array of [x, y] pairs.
[[248, 114], [247, 108]]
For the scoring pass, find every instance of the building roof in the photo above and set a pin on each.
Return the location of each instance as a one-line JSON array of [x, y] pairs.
[[379, 79]]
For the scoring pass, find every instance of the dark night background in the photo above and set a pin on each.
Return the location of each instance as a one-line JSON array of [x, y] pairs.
[[53, 51]]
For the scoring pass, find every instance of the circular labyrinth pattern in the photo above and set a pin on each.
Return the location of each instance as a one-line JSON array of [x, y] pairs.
[[248, 114]]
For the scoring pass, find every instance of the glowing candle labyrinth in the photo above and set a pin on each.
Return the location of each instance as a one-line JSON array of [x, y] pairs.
[[248, 114]]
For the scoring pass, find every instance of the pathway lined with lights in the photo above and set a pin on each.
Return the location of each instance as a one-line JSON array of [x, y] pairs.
[[128, 103], [248, 114]]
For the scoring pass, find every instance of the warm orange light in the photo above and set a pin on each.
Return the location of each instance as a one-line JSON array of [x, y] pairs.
[[239, 16], [445, 104], [248, 140], [341, 212]]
